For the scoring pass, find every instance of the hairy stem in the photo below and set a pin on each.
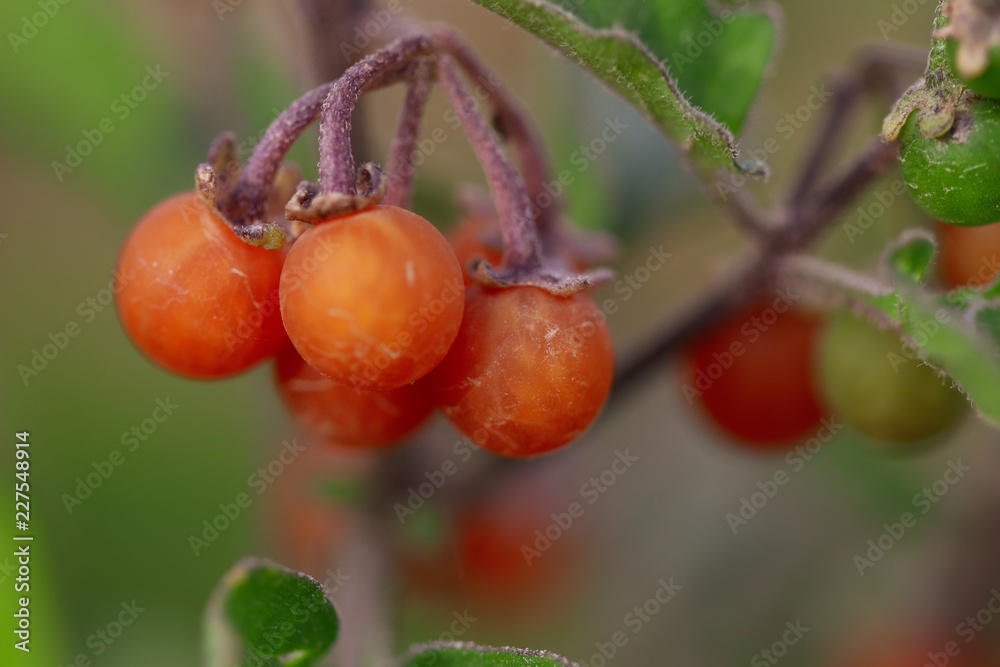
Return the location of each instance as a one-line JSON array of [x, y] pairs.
[[254, 185], [516, 125], [401, 167], [336, 160], [522, 248]]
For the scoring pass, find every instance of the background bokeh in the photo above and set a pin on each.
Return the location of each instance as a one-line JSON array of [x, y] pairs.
[[232, 65]]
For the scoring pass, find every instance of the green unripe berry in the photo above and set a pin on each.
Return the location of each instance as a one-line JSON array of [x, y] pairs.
[[879, 390], [956, 177]]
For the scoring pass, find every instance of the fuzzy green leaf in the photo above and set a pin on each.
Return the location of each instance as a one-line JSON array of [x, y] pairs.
[[718, 55], [625, 63], [953, 333], [270, 614]]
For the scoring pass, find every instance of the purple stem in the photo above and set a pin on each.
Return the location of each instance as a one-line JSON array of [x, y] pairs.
[[251, 191], [401, 168], [517, 125], [522, 248], [336, 161]]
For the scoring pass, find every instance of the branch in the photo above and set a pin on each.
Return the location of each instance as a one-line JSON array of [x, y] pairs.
[[879, 69]]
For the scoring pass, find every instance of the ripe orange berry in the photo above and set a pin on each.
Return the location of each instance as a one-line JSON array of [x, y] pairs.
[[195, 298], [338, 414], [372, 300], [529, 370], [755, 374]]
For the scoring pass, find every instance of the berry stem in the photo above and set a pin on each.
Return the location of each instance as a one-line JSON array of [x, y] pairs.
[[515, 124], [401, 155], [388, 65], [254, 185], [522, 248]]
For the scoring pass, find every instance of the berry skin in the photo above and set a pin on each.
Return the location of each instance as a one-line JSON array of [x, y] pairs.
[[875, 388], [372, 300], [468, 240], [338, 414], [529, 370], [968, 255], [954, 177], [754, 374], [195, 298]]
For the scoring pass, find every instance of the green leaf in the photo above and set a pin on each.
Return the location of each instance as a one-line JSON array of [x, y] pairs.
[[463, 654], [951, 332], [627, 65], [948, 341], [909, 257], [270, 615], [718, 55]]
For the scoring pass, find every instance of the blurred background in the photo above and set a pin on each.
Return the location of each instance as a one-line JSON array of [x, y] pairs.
[[106, 107]]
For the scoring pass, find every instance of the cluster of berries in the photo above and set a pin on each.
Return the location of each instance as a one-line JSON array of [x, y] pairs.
[[374, 322]]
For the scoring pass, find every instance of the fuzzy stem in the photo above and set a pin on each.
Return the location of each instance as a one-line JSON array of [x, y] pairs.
[[401, 168], [336, 161], [251, 191], [522, 248], [516, 124]]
